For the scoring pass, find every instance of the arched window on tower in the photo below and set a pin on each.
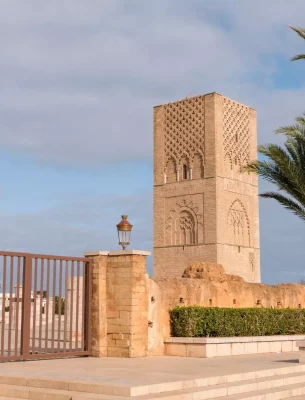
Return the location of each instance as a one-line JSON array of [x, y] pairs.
[[185, 172], [185, 229]]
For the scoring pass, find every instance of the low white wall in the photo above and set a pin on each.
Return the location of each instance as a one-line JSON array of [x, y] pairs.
[[230, 346]]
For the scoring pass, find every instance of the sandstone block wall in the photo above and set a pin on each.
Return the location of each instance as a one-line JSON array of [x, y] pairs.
[[211, 287], [130, 312], [119, 304], [127, 306]]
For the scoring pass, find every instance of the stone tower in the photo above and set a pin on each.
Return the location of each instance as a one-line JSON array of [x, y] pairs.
[[205, 208]]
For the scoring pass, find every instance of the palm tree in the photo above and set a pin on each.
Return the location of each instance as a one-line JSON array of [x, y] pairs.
[[285, 168], [300, 32]]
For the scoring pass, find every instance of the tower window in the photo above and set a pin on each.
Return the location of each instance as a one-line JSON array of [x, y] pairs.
[[184, 171], [236, 137]]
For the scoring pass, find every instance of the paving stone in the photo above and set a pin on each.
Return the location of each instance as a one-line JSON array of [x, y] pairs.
[[159, 378]]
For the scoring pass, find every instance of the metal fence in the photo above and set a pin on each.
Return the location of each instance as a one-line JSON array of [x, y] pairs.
[[45, 306]]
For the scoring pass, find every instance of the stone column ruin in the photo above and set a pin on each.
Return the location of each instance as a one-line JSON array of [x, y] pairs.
[[72, 298]]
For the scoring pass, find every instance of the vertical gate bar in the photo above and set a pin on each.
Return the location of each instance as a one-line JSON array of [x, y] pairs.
[[88, 304], [47, 305], [84, 307], [54, 302], [10, 312], [71, 303], [77, 304], [3, 306], [78, 279], [41, 300], [17, 305], [66, 302], [26, 306], [35, 305], [59, 306]]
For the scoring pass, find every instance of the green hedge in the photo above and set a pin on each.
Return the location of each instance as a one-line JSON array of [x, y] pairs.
[[226, 322]]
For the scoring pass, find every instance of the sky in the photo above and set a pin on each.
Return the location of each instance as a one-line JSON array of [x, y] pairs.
[[79, 79]]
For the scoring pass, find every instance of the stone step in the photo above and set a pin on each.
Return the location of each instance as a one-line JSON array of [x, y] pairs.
[[30, 393], [76, 386], [287, 392], [237, 386], [238, 390], [279, 385], [231, 382]]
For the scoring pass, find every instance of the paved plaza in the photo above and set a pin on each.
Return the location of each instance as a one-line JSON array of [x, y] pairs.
[[144, 371]]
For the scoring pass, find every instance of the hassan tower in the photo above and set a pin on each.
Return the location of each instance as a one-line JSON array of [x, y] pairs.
[[205, 206]]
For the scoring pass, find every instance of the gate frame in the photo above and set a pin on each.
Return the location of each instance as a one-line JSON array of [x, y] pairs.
[[26, 308]]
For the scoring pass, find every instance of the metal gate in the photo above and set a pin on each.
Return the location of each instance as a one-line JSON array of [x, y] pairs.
[[45, 307]]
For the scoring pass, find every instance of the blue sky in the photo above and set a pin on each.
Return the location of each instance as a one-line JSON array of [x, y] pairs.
[[79, 80]]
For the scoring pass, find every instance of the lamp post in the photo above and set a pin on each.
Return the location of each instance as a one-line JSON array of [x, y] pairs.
[[124, 232]]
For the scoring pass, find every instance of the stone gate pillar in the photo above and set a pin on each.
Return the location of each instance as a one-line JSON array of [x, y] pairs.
[[119, 303], [127, 304]]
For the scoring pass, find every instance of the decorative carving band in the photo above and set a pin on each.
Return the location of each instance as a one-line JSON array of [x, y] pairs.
[[236, 133], [183, 224], [238, 225], [184, 130]]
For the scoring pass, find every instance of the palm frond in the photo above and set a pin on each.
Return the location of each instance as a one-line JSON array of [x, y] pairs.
[[292, 130], [301, 119], [281, 161], [285, 167], [288, 203], [300, 31], [298, 57]]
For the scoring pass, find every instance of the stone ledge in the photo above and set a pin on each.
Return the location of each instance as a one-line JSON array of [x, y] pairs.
[[129, 253], [117, 253], [96, 253], [219, 347], [237, 339]]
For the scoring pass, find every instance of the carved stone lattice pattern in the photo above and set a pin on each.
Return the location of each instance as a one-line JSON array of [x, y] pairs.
[[184, 129], [238, 224], [186, 231], [186, 222], [183, 224], [236, 219], [236, 133]]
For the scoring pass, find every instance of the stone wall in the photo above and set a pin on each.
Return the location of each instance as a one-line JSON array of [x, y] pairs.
[[208, 285], [130, 311], [119, 303]]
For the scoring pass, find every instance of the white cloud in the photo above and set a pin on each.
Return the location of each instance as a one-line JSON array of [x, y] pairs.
[[84, 76]]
